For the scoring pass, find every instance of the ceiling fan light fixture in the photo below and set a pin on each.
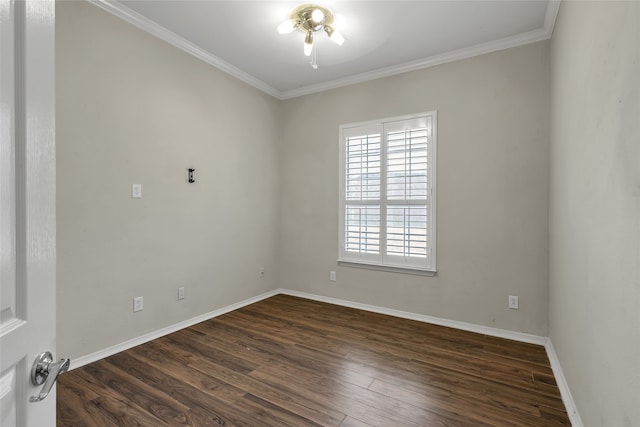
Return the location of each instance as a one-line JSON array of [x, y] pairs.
[[334, 35], [308, 43], [286, 27], [310, 18], [317, 15]]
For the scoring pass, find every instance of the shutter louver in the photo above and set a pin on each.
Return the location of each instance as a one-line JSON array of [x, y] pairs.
[[363, 229], [407, 165], [407, 231], [362, 184], [363, 168]]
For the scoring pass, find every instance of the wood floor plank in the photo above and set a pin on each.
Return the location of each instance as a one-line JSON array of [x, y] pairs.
[[302, 357], [381, 326], [477, 409], [103, 410], [289, 361], [295, 403], [116, 385], [352, 422], [367, 405], [213, 407], [517, 370], [67, 411]]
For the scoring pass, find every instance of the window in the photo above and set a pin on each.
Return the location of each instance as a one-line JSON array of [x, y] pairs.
[[387, 194]]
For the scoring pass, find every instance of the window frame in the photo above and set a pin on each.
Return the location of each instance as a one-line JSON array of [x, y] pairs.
[[382, 260]]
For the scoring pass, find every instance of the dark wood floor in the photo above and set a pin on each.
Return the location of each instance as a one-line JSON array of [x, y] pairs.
[[288, 361]]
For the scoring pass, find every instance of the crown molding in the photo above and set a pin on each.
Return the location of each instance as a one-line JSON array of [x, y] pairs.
[[553, 6], [157, 30], [456, 55]]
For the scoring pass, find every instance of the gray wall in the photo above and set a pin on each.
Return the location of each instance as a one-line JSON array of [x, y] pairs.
[[133, 109], [493, 160], [595, 207]]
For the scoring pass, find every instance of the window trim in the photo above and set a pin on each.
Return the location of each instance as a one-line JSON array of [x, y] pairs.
[[429, 269]]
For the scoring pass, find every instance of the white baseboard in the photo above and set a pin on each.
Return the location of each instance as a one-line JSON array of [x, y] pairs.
[[567, 398], [494, 332], [565, 392], [101, 354]]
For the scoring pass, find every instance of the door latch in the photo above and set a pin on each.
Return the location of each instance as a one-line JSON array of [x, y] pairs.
[[45, 371]]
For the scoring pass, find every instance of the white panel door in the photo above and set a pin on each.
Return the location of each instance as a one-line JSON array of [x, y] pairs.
[[27, 212]]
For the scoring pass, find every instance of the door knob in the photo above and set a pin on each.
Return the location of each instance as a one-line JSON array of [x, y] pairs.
[[45, 371]]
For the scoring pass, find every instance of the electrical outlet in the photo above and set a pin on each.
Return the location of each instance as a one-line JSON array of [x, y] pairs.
[[513, 302], [261, 272], [181, 292], [332, 276], [138, 304]]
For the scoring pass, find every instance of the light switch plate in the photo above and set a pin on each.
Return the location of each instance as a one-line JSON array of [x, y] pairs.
[[136, 191], [513, 302], [138, 304]]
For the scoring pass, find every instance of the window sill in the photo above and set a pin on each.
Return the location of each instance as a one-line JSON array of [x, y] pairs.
[[405, 270]]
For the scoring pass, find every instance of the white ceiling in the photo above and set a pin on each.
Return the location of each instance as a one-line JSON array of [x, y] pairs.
[[381, 37]]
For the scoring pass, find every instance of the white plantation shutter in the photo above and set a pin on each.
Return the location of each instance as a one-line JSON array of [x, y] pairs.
[[362, 184], [387, 213]]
